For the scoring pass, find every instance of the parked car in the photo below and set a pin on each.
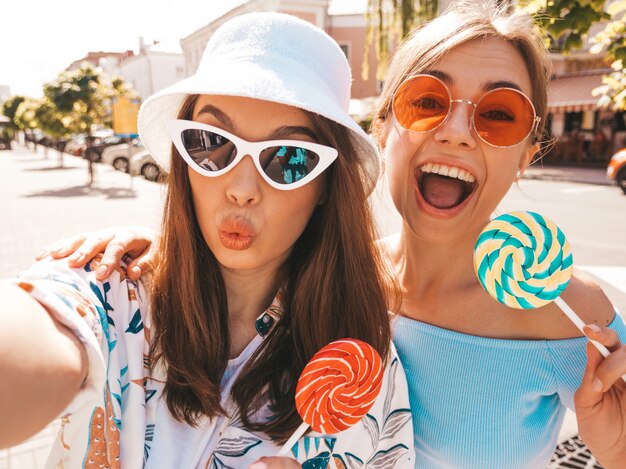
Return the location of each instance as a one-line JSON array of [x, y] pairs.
[[117, 155], [76, 146], [616, 170], [98, 144], [143, 163]]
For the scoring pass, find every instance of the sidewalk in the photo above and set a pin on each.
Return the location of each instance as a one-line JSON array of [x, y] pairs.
[[595, 176]]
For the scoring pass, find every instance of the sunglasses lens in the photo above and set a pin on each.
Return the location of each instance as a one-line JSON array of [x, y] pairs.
[[209, 150], [286, 165], [504, 117], [421, 104]]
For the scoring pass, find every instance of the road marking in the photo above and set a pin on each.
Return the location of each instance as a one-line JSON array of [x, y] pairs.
[[613, 275], [581, 190]]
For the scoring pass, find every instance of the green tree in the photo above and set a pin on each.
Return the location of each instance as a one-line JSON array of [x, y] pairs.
[[53, 123], [25, 118], [9, 108], [567, 24], [390, 21], [83, 98]]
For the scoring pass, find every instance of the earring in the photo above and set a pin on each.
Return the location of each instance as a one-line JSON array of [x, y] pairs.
[[518, 174]]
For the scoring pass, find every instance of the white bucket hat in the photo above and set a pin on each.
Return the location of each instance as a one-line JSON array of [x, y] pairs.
[[268, 56]]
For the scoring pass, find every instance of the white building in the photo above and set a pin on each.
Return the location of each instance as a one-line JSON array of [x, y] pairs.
[[315, 11], [155, 67]]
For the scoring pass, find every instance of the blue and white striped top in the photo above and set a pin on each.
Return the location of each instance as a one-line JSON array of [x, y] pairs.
[[484, 403]]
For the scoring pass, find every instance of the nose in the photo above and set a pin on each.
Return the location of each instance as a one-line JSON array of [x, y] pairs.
[[244, 183], [456, 130]]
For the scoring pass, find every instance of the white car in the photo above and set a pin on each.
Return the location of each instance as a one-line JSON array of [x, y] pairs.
[[143, 163], [117, 155]]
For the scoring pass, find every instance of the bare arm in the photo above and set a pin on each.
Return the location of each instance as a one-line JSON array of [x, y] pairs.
[[42, 366]]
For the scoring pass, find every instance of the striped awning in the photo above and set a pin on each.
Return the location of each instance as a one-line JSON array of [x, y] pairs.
[[573, 93]]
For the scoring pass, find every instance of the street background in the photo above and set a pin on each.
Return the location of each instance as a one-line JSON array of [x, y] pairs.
[[41, 202]]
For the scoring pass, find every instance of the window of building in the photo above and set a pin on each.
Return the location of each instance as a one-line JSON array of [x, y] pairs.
[[345, 48]]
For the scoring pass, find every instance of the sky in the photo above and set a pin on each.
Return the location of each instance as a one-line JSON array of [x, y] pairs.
[[40, 38]]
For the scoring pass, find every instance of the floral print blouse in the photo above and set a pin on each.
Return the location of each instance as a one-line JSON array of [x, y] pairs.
[[119, 419]]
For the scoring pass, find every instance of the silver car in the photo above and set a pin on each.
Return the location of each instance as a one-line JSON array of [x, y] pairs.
[[143, 163], [117, 155]]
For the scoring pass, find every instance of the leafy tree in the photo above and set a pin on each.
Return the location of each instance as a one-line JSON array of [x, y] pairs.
[[25, 118], [390, 21], [9, 108], [83, 98], [567, 24], [53, 123]]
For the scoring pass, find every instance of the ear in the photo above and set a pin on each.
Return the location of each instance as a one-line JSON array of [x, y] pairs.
[[527, 157]]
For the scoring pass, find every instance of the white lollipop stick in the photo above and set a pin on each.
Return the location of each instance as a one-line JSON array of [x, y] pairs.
[[569, 312], [295, 437]]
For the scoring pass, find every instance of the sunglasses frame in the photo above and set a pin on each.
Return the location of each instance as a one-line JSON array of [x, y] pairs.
[[533, 128], [253, 149]]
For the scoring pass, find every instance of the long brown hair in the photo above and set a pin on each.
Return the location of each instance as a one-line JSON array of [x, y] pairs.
[[334, 285]]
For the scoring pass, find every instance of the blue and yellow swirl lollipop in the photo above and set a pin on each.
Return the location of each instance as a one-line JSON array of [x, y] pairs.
[[523, 260]]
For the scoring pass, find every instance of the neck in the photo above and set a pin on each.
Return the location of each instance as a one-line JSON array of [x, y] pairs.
[[431, 267], [249, 293]]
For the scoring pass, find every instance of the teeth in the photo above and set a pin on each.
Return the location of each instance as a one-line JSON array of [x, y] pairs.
[[450, 171]]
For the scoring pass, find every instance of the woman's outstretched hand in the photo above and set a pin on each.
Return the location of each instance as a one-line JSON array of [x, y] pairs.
[[136, 241], [601, 399]]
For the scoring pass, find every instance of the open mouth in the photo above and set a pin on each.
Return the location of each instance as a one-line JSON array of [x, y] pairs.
[[444, 187]]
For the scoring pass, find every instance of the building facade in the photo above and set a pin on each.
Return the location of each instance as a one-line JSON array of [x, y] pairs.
[[155, 67]]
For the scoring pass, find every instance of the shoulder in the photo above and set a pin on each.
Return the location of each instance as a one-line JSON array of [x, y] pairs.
[[584, 295]]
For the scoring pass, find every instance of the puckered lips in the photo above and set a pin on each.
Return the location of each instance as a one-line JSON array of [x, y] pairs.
[[236, 233], [443, 189]]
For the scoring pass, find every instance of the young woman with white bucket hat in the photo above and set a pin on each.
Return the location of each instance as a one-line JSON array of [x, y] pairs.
[[257, 268]]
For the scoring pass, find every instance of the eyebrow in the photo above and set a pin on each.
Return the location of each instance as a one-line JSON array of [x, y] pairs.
[[281, 132], [487, 86], [289, 130]]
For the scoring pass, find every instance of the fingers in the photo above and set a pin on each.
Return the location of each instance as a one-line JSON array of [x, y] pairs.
[[62, 248], [275, 463], [606, 371], [142, 264], [612, 370]]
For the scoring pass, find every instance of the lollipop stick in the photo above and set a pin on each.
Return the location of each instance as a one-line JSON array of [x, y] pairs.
[[569, 312], [293, 439]]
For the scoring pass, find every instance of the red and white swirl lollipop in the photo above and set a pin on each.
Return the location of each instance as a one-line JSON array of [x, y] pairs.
[[337, 388]]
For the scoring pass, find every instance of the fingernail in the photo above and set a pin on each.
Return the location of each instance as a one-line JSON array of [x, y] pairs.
[[594, 328], [136, 271], [258, 465], [76, 256], [41, 255], [102, 270], [596, 385]]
